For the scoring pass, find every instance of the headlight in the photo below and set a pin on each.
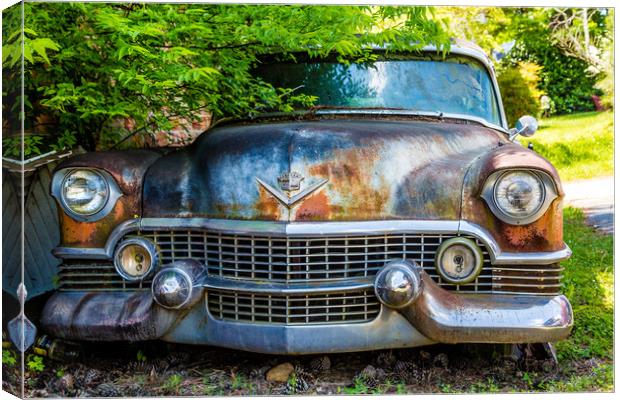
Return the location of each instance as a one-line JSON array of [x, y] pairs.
[[519, 196], [85, 194], [519, 193]]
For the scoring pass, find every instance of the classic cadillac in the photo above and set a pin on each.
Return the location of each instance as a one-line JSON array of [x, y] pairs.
[[398, 212]]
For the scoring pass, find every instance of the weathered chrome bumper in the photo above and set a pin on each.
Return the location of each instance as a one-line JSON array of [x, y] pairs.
[[436, 315]]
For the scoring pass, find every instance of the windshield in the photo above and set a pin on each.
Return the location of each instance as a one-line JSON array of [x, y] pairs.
[[458, 85]]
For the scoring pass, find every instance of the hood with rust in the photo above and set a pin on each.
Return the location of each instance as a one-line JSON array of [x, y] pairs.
[[375, 169]]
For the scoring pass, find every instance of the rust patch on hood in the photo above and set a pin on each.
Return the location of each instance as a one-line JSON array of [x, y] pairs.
[[350, 175], [314, 208], [267, 207]]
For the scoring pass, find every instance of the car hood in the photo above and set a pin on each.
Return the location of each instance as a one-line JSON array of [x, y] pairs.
[[351, 169]]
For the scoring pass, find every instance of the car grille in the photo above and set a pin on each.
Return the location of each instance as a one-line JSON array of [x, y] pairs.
[[296, 309], [305, 259], [310, 259]]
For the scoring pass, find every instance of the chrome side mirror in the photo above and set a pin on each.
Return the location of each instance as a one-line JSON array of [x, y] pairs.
[[525, 126]]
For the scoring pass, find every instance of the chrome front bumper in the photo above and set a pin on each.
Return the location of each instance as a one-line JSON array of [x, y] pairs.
[[437, 315]]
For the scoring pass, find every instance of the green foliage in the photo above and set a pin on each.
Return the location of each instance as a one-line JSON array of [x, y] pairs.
[[551, 38], [488, 386], [606, 80], [35, 49], [35, 363], [601, 379], [173, 383], [140, 356], [488, 27], [359, 387], [150, 63], [563, 78], [8, 357], [12, 146], [520, 95], [580, 146]]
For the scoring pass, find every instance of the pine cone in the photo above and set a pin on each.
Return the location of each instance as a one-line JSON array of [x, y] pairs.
[[138, 367], [299, 382], [386, 359], [368, 376], [134, 390], [90, 377], [441, 360], [320, 364], [407, 371], [259, 373], [177, 358], [108, 390]]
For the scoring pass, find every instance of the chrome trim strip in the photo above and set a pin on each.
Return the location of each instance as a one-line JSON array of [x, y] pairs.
[[534, 258], [505, 258], [318, 229], [71, 253], [213, 282]]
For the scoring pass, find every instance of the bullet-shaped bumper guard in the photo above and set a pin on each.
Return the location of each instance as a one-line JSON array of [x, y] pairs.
[[436, 315]]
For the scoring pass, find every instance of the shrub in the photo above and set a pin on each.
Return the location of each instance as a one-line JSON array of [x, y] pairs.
[[563, 78], [520, 95]]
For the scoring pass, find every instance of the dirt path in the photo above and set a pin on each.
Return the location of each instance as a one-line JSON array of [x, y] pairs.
[[596, 198]]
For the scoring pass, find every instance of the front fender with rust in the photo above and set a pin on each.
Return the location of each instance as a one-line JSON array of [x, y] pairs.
[[544, 234], [128, 169]]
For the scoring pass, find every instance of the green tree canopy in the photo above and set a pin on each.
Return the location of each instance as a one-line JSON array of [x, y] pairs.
[[89, 64]]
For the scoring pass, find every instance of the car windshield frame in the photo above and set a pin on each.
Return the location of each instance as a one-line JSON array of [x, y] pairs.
[[464, 62]]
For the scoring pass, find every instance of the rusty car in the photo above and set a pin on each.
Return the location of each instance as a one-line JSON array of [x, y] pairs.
[[398, 211]]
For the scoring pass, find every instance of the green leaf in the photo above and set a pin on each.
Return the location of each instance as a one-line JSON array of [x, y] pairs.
[[40, 46]]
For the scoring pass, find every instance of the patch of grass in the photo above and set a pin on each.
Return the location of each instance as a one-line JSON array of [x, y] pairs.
[[599, 380], [488, 386], [580, 146], [588, 284], [359, 387], [173, 384]]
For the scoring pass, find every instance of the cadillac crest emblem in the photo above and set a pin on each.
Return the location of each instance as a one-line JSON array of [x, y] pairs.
[[290, 181]]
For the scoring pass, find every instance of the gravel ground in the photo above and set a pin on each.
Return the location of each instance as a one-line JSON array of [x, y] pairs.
[[160, 369]]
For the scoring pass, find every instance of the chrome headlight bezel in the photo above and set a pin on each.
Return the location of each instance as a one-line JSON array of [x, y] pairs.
[[548, 188], [114, 193]]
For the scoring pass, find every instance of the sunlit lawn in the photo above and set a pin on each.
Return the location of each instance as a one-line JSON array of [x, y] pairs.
[[580, 146]]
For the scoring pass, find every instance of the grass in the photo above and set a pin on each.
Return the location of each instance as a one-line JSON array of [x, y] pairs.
[[580, 146], [588, 284]]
